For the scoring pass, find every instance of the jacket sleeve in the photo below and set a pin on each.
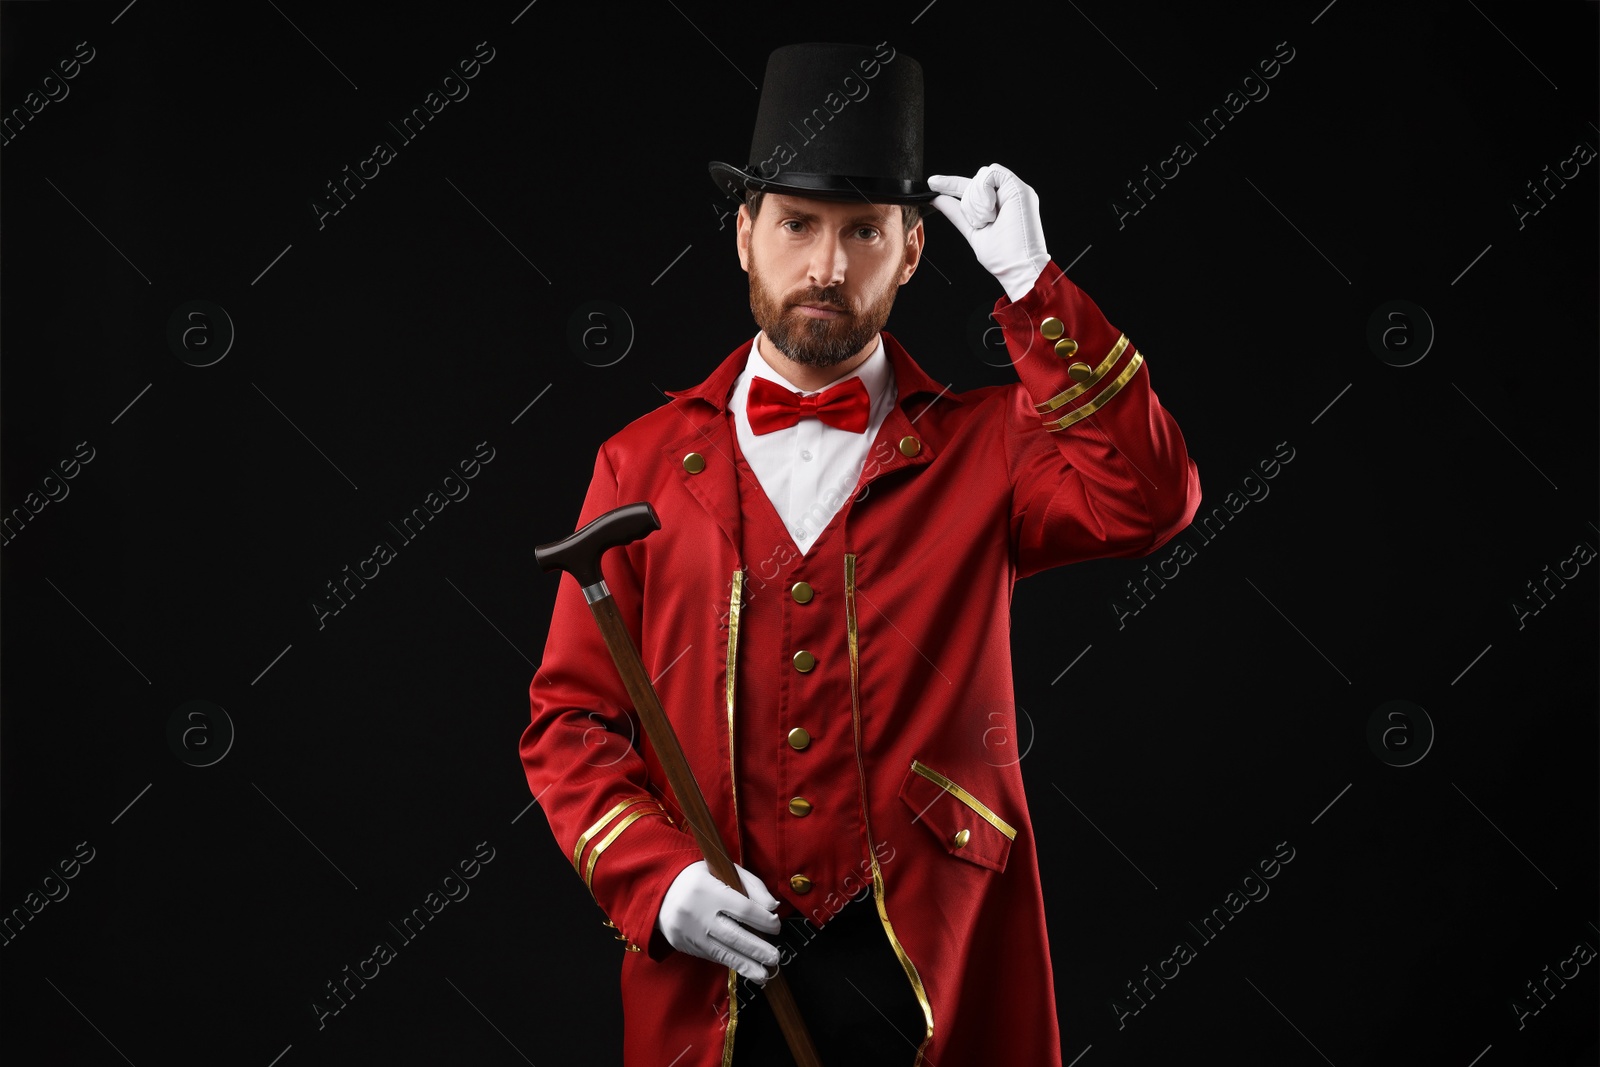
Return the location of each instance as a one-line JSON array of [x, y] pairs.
[[581, 756], [1098, 467]]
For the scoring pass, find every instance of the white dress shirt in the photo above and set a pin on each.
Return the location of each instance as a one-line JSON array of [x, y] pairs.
[[810, 469]]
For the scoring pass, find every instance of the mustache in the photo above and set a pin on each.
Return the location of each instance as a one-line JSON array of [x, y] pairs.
[[824, 299]]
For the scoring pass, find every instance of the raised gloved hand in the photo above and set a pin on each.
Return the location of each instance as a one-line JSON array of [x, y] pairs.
[[998, 213], [700, 915]]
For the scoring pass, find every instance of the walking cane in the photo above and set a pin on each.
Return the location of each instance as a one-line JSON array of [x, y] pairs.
[[579, 553]]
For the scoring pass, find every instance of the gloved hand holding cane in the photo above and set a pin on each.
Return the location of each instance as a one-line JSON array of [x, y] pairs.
[[579, 553]]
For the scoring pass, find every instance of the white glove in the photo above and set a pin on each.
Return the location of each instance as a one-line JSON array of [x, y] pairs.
[[700, 915], [998, 214]]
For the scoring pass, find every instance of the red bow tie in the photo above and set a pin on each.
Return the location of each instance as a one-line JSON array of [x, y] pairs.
[[772, 407]]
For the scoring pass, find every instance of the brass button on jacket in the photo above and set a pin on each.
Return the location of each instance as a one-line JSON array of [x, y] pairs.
[[800, 884], [799, 806], [1066, 348], [961, 838], [799, 738], [910, 446], [1080, 372], [694, 463], [1052, 328], [801, 591], [804, 661]]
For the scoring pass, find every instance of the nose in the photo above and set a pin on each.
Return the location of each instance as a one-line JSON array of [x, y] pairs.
[[828, 261]]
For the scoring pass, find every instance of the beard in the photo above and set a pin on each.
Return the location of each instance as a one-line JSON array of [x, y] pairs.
[[818, 342]]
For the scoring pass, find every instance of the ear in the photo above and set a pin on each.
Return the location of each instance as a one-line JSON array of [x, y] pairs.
[[914, 243], [741, 236]]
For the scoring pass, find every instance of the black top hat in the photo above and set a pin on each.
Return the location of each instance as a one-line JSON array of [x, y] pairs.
[[836, 122]]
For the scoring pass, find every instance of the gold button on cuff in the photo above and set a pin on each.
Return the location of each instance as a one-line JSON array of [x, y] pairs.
[[1080, 372], [608, 922], [694, 463], [799, 806], [804, 661], [800, 883], [910, 446], [633, 948], [801, 591], [961, 838], [1066, 348], [798, 738], [1052, 328]]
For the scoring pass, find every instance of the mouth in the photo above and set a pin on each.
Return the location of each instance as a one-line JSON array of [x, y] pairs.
[[819, 311]]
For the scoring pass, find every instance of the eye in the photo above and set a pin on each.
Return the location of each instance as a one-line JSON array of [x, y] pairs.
[[870, 231], [786, 223]]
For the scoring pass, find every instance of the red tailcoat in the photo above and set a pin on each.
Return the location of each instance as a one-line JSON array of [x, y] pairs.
[[870, 677]]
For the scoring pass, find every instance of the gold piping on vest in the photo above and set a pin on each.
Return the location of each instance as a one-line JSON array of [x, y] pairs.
[[877, 874], [965, 797], [733, 649], [733, 1017]]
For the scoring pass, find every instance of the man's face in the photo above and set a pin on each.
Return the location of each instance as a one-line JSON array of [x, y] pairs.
[[823, 274]]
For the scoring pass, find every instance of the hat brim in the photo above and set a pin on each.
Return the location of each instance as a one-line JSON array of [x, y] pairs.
[[736, 183]]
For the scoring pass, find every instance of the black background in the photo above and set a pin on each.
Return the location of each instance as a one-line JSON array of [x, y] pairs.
[[373, 754]]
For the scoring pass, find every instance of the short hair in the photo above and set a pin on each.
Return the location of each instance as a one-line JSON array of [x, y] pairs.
[[910, 214]]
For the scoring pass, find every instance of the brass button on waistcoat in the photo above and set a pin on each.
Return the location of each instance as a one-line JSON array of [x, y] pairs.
[[799, 806], [961, 838], [800, 884], [798, 738], [804, 661], [910, 446], [1052, 328], [801, 591], [1080, 372], [694, 463], [1066, 348]]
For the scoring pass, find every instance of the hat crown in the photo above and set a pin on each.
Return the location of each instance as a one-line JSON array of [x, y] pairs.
[[836, 122]]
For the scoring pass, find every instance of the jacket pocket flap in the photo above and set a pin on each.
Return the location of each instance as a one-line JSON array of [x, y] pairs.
[[966, 826]]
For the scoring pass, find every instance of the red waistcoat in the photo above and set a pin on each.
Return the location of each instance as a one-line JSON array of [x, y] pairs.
[[888, 645]]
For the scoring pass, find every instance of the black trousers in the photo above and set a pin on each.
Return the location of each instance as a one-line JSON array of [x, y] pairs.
[[852, 993]]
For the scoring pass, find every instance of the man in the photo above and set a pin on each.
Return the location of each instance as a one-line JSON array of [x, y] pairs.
[[825, 611]]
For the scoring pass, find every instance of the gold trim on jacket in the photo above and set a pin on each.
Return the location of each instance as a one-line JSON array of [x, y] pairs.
[[877, 873]]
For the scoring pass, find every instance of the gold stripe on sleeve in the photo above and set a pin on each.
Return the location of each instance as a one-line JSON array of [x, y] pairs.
[[1100, 400], [577, 852], [1079, 389], [605, 842]]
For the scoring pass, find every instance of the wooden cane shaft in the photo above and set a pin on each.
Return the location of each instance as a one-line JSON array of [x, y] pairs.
[[664, 739], [787, 1012]]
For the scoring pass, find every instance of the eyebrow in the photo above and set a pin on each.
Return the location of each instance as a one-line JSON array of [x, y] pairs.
[[810, 216]]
